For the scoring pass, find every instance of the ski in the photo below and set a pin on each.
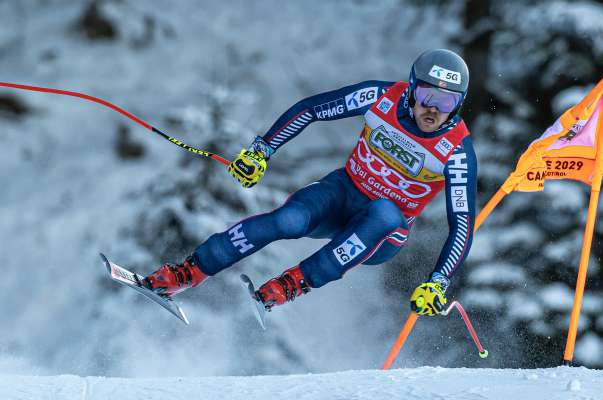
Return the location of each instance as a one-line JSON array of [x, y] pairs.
[[133, 280], [258, 308]]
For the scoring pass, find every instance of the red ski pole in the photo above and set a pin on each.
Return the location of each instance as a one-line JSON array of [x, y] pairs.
[[483, 353], [134, 118]]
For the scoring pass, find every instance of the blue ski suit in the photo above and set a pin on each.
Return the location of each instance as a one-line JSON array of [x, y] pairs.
[[361, 230]]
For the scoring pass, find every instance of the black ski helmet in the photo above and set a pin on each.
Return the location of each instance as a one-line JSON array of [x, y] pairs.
[[443, 69]]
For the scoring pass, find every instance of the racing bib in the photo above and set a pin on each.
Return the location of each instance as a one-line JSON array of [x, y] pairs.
[[392, 163]]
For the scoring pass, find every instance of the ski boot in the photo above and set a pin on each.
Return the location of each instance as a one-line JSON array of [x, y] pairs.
[[172, 279], [282, 289]]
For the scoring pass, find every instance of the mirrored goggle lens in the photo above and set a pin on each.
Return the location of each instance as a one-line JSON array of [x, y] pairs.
[[433, 97]]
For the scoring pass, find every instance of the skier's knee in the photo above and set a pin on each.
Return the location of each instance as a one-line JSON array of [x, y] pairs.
[[386, 252], [387, 214], [292, 220]]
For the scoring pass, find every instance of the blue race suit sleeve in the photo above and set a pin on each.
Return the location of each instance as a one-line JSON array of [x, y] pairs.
[[461, 180], [346, 102]]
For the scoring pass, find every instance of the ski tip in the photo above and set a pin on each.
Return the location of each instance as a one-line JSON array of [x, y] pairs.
[[105, 261], [178, 312], [262, 322], [258, 307]]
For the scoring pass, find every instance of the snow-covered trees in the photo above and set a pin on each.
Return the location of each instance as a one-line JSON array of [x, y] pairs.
[[540, 58]]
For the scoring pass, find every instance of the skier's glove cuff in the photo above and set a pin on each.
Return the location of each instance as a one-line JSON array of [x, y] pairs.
[[260, 146], [440, 279], [428, 299], [248, 168]]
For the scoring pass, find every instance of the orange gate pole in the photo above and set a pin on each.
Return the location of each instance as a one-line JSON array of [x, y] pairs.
[[581, 281], [593, 204], [410, 323]]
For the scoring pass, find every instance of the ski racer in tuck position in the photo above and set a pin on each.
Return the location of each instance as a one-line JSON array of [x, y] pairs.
[[413, 145]]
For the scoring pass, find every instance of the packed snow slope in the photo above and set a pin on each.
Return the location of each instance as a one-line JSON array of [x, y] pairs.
[[416, 383]]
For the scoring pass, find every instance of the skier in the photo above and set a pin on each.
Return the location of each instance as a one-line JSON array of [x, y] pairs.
[[413, 145]]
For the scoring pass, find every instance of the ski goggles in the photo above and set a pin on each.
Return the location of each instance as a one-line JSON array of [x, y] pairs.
[[444, 100]]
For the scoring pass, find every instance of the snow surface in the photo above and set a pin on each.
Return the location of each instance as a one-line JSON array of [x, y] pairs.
[[418, 383]]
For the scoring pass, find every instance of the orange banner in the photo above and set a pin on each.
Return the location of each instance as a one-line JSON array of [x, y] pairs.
[[566, 150], [578, 169]]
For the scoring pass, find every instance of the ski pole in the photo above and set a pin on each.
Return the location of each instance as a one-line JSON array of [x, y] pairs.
[[410, 323], [483, 353], [201, 153]]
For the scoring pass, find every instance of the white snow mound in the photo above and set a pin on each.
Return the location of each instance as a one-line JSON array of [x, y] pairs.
[[417, 383]]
